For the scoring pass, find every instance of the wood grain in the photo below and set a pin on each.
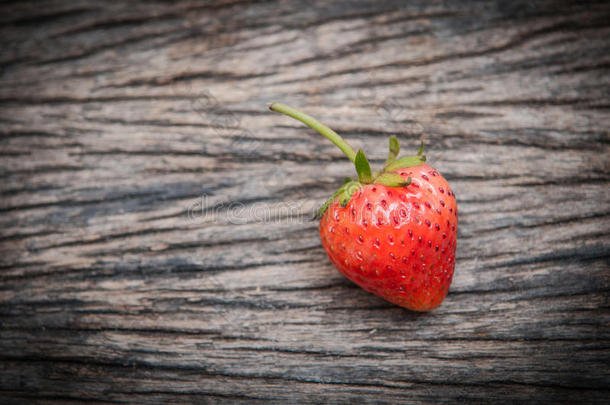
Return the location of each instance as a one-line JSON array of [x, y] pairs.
[[156, 244]]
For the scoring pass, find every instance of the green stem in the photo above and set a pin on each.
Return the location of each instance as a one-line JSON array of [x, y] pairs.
[[317, 125]]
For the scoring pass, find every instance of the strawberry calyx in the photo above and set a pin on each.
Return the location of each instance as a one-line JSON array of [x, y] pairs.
[[385, 176]]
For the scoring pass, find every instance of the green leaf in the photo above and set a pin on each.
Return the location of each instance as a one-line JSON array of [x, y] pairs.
[[394, 150], [348, 191], [363, 168], [421, 148], [324, 206], [392, 180], [407, 161], [347, 180]]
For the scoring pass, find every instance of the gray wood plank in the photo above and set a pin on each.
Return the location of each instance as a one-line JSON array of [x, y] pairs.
[[155, 236]]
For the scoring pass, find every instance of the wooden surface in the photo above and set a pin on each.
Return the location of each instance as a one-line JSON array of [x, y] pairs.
[[155, 243]]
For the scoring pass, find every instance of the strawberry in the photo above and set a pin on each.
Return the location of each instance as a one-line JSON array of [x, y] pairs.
[[392, 232]]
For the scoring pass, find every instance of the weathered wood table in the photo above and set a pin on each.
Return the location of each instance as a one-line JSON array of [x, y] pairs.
[[156, 244]]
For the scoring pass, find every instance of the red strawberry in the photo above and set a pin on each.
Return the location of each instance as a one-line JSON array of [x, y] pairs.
[[392, 232]]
